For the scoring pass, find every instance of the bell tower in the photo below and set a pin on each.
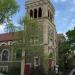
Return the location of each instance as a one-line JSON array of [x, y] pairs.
[[43, 11], [40, 9]]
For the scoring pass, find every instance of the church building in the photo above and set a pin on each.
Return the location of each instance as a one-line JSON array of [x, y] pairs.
[[46, 52]]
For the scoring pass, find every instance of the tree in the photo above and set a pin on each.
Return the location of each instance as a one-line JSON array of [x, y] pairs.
[[66, 49], [7, 9], [71, 38], [25, 39], [30, 29], [10, 27], [30, 33], [71, 35]]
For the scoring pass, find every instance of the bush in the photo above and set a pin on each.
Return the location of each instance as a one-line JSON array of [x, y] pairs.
[[13, 71]]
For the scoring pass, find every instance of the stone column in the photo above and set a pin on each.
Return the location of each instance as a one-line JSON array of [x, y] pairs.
[[23, 62]]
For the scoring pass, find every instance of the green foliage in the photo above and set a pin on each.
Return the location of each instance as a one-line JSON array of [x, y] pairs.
[[7, 9], [71, 38], [31, 30], [65, 46], [14, 71], [64, 53], [66, 49], [10, 27], [69, 43], [29, 38], [71, 35], [51, 55]]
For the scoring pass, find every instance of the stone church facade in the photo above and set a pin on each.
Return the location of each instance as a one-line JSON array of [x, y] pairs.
[[9, 58], [46, 53]]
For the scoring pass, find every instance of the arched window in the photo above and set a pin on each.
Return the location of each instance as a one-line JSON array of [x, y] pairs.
[[3, 44], [5, 55], [40, 12], [35, 13], [31, 13]]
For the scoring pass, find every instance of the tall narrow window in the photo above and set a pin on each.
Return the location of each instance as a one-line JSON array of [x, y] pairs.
[[48, 13], [31, 13], [51, 16], [40, 12], [35, 13]]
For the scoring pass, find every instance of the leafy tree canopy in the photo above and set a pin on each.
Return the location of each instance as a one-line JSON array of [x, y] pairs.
[[7, 9], [67, 48], [71, 36], [69, 42], [30, 28]]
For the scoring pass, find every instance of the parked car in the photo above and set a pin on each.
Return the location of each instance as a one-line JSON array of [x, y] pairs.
[[1, 74]]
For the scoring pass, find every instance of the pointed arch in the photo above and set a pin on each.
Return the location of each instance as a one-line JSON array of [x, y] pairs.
[[35, 13], [40, 12]]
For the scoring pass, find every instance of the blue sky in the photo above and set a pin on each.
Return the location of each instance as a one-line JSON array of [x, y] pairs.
[[21, 11], [64, 14]]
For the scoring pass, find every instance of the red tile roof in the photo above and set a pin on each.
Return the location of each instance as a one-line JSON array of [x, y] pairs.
[[8, 36]]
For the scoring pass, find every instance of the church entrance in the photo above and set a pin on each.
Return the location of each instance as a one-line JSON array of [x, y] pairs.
[[27, 69]]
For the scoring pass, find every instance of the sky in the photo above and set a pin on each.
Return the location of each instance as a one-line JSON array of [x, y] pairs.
[[64, 14]]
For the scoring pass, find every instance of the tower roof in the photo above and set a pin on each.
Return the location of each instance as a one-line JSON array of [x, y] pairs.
[[28, 2]]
